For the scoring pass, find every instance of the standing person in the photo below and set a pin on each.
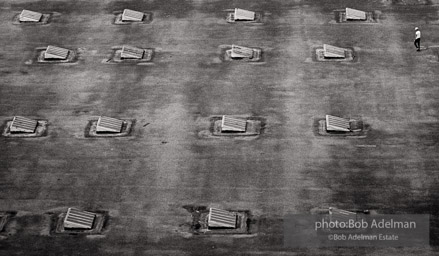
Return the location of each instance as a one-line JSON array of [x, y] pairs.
[[418, 39]]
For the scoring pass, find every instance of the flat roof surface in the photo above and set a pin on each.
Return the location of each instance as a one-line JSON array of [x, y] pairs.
[[109, 124], [231, 123], [132, 15], [219, 218], [330, 51], [23, 124], [342, 215], [335, 123], [27, 15], [354, 14], [132, 52], [241, 14], [56, 52], [241, 52], [76, 218], [144, 180]]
